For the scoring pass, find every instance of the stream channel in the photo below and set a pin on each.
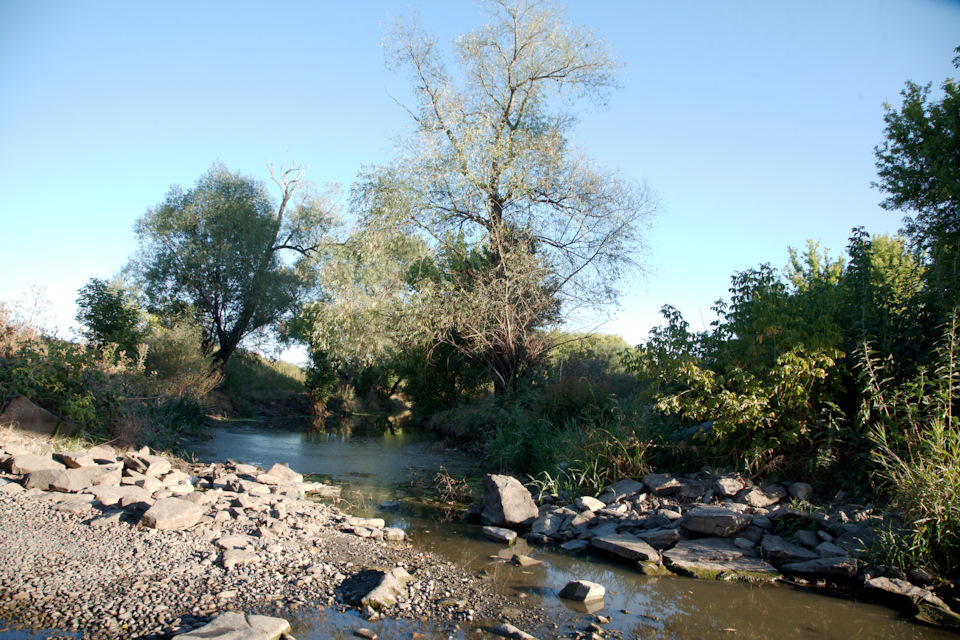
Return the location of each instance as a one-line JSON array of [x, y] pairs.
[[379, 466]]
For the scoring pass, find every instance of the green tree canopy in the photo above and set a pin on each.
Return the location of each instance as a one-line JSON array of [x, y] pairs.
[[231, 253], [525, 227], [919, 162], [110, 313]]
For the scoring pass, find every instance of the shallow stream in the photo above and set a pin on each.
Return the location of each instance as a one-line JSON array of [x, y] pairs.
[[376, 467]]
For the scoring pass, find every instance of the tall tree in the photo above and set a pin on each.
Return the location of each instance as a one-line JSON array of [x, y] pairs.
[[526, 229], [227, 250], [918, 166]]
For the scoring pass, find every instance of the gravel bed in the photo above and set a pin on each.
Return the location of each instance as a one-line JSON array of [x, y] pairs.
[[95, 572]]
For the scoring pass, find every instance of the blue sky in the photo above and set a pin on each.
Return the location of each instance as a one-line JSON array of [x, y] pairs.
[[754, 121]]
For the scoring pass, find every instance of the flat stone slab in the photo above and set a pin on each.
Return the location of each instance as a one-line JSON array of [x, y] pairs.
[[239, 626], [110, 496], [717, 558], [835, 567], [627, 547], [715, 521], [28, 463], [172, 514]]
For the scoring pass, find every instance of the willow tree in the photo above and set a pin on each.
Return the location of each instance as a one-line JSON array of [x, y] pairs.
[[231, 253], [521, 229]]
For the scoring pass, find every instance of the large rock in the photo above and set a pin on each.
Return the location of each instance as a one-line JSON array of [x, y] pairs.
[[81, 479], [386, 592], [715, 521], [627, 547], [729, 486], [284, 473], [23, 415], [507, 502], [757, 498], [239, 626], [172, 514], [716, 558], [583, 591]]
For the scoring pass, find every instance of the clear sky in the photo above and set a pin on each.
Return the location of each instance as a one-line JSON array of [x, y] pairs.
[[754, 121]]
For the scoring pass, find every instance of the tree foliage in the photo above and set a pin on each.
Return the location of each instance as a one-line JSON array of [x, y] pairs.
[[519, 228], [219, 250], [110, 313], [918, 166]]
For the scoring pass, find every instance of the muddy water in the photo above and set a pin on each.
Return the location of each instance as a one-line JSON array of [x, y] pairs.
[[379, 467]]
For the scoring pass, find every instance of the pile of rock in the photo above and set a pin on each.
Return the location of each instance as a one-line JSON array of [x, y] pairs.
[[710, 525]]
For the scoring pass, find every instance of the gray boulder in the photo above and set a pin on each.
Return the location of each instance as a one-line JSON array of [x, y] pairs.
[[387, 589], [147, 465], [627, 547], [583, 591], [240, 626], [662, 484], [507, 502], [28, 463], [170, 514], [81, 479], [284, 473], [715, 521]]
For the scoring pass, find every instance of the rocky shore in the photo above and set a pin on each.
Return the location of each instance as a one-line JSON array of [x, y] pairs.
[[105, 544], [721, 526]]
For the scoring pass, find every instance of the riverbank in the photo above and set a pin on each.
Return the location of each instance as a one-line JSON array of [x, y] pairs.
[[102, 562]]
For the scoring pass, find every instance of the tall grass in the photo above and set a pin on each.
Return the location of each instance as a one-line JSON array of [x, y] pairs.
[[917, 448]]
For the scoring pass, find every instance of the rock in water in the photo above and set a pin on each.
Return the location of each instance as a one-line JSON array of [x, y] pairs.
[[507, 502], [583, 590]]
